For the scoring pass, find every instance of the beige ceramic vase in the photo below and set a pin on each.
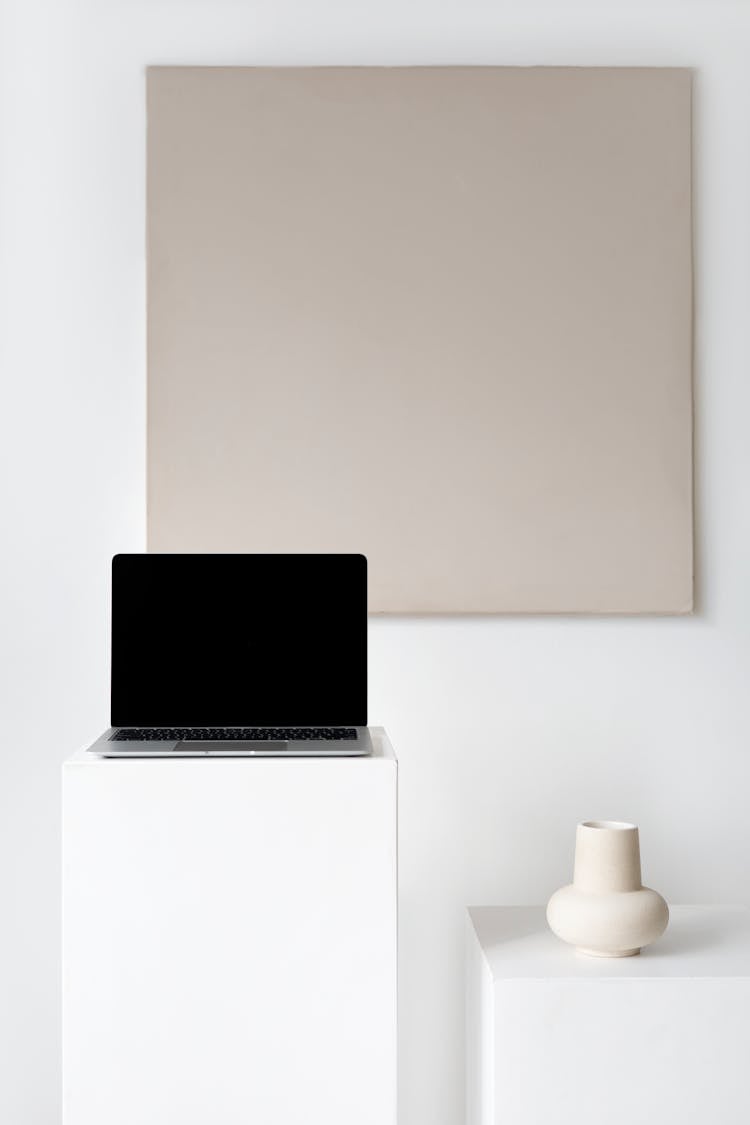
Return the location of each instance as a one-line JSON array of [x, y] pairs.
[[606, 911]]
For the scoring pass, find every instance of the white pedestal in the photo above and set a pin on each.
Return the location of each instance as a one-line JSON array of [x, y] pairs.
[[557, 1038], [230, 941]]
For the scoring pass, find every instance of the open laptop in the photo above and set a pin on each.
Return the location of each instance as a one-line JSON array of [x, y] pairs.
[[237, 655]]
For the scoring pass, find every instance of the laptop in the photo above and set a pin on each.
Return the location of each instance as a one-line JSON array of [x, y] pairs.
[[238, 655]]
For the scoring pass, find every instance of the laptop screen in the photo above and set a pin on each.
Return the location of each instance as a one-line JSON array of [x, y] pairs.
[[239, 640]]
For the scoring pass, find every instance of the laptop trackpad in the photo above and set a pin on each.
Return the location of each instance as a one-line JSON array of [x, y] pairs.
[[231, 746]]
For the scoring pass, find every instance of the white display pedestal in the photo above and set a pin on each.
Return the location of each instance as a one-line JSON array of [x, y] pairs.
[[229, 952], [558, 1038]]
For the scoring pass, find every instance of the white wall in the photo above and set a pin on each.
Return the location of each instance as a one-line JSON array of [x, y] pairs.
[[508, 730]]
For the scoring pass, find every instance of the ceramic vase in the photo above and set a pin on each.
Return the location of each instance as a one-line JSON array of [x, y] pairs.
[[606, 911]]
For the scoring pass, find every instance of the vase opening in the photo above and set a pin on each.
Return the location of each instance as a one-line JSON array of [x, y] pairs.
[[622, 825]]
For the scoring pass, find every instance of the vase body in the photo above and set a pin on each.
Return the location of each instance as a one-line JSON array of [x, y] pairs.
[[606, 911]]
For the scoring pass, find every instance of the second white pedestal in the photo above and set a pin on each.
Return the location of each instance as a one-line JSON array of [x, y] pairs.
[[230, 941], [557, 1038]]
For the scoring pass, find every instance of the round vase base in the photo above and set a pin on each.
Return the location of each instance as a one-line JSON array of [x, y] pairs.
[[601, 953]]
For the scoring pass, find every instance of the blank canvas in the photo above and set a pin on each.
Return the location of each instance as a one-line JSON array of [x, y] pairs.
[[438, 315]]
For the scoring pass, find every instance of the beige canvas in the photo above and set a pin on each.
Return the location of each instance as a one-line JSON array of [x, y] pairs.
[[440, 316]]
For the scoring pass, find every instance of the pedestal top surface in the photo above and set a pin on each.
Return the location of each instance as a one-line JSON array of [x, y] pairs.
[[700, 941]]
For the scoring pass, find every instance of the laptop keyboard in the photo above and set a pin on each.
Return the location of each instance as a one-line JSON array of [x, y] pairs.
[[232, 734]]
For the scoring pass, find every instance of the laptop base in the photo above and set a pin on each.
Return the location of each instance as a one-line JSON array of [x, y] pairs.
[[107, 747]]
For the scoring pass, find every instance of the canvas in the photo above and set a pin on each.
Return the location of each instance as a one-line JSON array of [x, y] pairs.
[[438, 315]]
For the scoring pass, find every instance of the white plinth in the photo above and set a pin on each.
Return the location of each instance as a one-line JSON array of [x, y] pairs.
[[230, 941], [556, 1038]]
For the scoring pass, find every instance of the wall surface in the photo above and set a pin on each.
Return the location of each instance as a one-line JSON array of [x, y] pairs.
[[508, 731]]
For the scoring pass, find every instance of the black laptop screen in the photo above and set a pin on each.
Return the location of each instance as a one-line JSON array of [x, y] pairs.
[[239, 640]]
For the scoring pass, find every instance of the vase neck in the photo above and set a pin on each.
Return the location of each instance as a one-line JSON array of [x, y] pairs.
[[608, 858]]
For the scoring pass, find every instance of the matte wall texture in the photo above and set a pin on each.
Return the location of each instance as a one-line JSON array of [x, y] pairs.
[[439, 315], [508, 731]]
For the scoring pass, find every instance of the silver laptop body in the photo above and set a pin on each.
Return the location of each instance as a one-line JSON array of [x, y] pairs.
[[238, 655]]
